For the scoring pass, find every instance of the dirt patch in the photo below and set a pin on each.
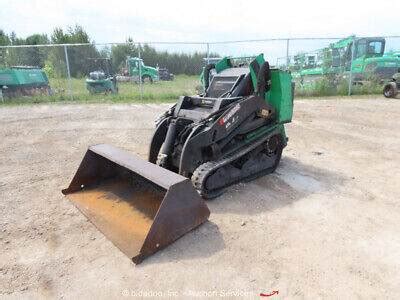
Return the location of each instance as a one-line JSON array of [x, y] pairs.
[[325, 225]]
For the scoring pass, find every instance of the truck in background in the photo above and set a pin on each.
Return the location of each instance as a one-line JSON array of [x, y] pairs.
[[148, 74]]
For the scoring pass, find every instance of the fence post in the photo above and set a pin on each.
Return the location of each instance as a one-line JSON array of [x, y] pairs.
[[351, 71], [140, 75], [208, 53], [287, 53], [68, 72]]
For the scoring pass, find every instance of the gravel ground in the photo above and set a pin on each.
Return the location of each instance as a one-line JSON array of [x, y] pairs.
[[325, 225]]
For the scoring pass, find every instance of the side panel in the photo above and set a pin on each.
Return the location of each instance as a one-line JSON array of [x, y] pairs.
[[30, 76], [21, 76], [280, 95], [223, 64], [358, 65], [7, 77]]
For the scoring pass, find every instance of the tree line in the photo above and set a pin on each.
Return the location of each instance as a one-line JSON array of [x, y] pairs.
[[52, 59]]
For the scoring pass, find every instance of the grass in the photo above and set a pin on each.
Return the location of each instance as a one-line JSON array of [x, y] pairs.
[[332, 87], [169, 91], [163, 91]]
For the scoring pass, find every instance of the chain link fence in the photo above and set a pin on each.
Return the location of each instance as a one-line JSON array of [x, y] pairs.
[[161, 71]]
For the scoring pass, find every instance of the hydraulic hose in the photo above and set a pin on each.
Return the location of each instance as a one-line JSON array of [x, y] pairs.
[[169, 140]]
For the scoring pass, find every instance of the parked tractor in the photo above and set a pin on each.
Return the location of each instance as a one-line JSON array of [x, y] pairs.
[[102, 79], [23, 81]]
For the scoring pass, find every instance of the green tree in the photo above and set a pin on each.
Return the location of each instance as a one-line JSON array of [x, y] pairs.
[[77, 55], [4, 41], [4, 38], [35, 56], [177, 63], [119, 53], [30, 56]]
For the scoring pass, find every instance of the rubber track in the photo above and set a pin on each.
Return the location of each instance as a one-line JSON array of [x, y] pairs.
[[201, 173]]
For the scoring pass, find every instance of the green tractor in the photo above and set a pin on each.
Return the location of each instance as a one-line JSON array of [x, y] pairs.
[[136, 69], [101, 79], [368, 61], [23, 81]]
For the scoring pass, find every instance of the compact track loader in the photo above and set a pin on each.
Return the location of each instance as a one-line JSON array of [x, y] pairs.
[[232, 132]]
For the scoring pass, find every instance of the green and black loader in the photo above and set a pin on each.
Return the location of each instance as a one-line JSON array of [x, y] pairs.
[[202, 145]]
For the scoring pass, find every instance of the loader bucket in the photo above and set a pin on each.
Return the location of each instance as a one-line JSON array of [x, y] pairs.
[[138, 205]]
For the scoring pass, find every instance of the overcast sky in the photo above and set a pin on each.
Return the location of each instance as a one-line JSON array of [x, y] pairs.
[[173, 20]]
